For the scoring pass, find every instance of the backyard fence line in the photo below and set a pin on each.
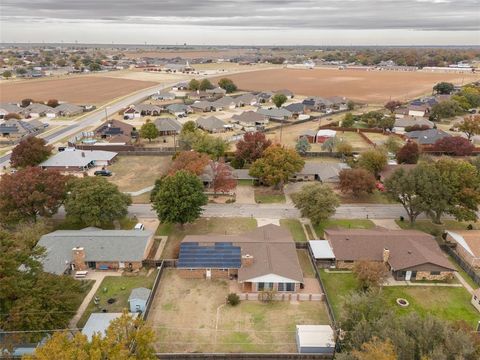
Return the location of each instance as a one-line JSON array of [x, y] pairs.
[[243, 356], [462, 263], [153, 292]]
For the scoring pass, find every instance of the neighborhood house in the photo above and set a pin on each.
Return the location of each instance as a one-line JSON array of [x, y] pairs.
[[260, 260], [467, 245], [78, 160]]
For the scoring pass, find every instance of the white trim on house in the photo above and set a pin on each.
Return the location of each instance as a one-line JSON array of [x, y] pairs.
[[271, 278]]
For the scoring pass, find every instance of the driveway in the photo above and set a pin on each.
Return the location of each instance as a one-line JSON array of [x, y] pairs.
[[244, 194], [389, 224], [291, 188]]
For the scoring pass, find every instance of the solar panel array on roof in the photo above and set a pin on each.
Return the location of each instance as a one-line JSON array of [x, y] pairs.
[[220, 255]]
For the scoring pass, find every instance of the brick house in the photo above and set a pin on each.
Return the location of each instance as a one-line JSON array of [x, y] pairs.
[[467, 245], [408, 254], [262, 259], [93, 248]]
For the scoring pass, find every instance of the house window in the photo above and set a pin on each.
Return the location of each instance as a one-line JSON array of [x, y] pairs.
[[286, 286], [435, 273], [264, 286]]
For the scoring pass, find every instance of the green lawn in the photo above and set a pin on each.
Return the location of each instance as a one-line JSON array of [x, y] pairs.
[[119, 288], [295, 228], [229, 226], [244, 182], [449, 303], [126, 223], [343, 224], [305, 263], [436, 229]]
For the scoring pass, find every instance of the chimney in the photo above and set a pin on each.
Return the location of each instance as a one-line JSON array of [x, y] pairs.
[[386, 255], [247, 260], [78, 255]]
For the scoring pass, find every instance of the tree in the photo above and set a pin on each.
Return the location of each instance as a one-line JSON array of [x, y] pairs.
[[30, 193], [392, 144], [277, 165], [25, 102], [443, 88], [222, 177], [191, 161], [227, 85], [279, 99], [52, 103], [7, 74], [392, 105], [470, 126], [449, 187], [454, 145], [93, 201], [30, 152], [189, 127], [329, 144], [316, 202], [252, 146], [403, 187], [357, 181], [350, 105], [344, 148], [179, 198], [409, 153], [126, 338], [21, 71], [302, 146], [149, 131], [373, 161], [376, 349], [31, 299], [194, 85], [445, 109], [370, 274], [205, 84], [211, 145], [348, 120]]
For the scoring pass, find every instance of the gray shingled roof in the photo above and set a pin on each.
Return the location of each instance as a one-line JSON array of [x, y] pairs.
[[427, 137], [99, 245], [210, 123], [77, 158], [140, 293], [275, 113], [168, 124]]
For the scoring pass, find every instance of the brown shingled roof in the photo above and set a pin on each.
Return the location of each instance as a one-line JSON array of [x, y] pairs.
[[271, 246], [408, 248]]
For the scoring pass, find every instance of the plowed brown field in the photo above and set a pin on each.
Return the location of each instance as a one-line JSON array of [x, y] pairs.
[[77, 90], [359, 85]]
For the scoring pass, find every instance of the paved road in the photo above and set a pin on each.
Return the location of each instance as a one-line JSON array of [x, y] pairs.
[[279, 211], [95, 117]]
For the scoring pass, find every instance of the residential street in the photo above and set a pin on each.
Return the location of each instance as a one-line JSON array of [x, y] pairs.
[[279, 211]]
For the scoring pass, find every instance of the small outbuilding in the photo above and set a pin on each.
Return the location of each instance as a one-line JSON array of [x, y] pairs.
[[315, 339], [138, 299], [98, 323], [325, 134]]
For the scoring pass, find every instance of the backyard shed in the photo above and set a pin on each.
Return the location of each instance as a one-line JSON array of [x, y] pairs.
[[98, 323], [138, 299], [315, 339]]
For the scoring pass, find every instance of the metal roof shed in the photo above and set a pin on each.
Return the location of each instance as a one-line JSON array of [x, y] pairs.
[[315, 339], [321, 249]]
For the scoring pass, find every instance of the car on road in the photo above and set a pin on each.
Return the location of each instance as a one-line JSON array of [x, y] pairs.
[[103, 172]]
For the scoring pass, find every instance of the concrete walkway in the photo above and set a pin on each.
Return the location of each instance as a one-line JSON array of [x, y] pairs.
[[266, 221], [465, 284], [98, 277], [389, 224], [140, 192]]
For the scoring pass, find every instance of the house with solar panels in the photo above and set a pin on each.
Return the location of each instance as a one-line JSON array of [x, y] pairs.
[[260, 260]]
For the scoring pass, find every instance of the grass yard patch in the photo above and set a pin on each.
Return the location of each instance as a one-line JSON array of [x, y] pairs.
[[448, 303], [377, 197], [142, 199], [436, 229], [463, 274], [358, 143], [305, 263], [126, 223], [133, 173], [118, 288], [186, 312], [229, 226], [244, 182], [295, 228], [343, 224], [268, 196]]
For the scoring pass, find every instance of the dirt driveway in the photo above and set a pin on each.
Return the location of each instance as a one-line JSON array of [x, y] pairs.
[[245, 194]]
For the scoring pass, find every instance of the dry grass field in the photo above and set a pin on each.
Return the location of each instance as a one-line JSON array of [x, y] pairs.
[[190, 315], [363, 86], [79, 89]]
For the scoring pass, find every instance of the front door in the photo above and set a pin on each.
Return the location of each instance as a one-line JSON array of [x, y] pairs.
[[208, 273], [408, 275]]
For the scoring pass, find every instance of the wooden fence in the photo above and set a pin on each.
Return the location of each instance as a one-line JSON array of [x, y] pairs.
[[462, 263]]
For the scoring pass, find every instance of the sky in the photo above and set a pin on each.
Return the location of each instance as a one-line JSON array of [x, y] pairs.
[[242, 22]]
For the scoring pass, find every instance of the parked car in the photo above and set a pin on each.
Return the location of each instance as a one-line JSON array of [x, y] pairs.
[[139, 226], [103, 172]]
